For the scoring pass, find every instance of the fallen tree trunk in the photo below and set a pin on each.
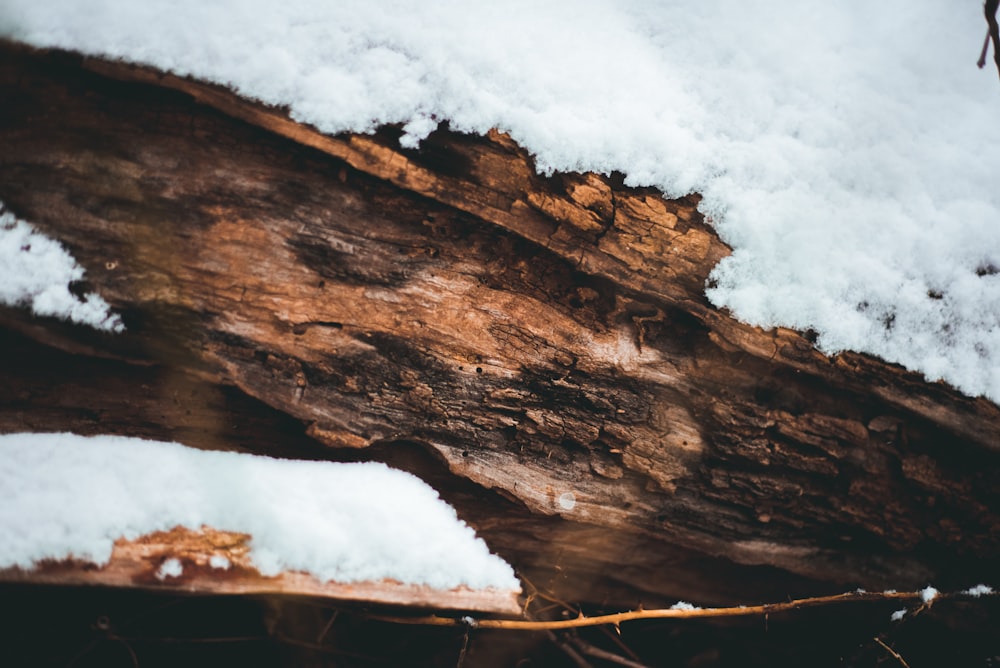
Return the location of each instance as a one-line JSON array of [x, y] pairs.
[[538, 348]]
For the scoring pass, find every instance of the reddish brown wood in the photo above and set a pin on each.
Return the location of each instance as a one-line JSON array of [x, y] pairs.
[[139, 563]]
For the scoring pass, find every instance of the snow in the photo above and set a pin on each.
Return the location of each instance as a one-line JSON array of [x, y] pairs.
[[170, 568], [219, 561], [979, 590], [898, 615], [36, 271], [928, 594], [67, 495], [684, 605], [847, 151]]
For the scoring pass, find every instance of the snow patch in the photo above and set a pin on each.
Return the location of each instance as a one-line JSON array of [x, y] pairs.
[[928, 594], [36, 271], [898, 615], [219, 561], [69, 496], [979, 590], [170, 568], [684, 605]]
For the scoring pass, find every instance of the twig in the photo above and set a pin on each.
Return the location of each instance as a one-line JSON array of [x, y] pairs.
[[893, 652], [615, 637], [326, 629], [599, 653], [465, 648], [668, 613], [535, 593], [569, 651], [990, 10], [128, 648]]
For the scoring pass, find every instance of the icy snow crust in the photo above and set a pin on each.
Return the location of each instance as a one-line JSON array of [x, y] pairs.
[[36, 271], [847, 151], [71, 496]]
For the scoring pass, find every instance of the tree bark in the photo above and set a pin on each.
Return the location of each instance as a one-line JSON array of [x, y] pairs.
[[539, 348]]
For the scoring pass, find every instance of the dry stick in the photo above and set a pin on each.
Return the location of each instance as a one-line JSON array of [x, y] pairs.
[[599, 653], [616, 639], [326, 629], [893, 652], [568, 650], [465, 648], [536, 593], [668, 613], [990, 9], [586, 648]]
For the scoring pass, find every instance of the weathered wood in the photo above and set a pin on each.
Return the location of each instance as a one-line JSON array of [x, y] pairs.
[[539, 348], [141, 563]]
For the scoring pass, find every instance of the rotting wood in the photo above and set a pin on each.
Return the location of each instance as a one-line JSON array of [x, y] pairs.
[[543, 343]]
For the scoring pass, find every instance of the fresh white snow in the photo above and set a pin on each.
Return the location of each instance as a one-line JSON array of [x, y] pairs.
[[848, 151], [928, 594], [219, 561], [979, 590], [36, 271], [66, 495], [684, 605], [171, 568]]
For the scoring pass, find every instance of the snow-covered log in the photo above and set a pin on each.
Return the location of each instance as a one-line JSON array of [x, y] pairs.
[[539, 349]]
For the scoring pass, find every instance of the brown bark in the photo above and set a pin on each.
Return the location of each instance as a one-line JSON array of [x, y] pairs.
[[539, 348]]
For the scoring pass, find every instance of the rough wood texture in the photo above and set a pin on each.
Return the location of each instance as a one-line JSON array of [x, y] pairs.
[[140, 563], [538, 348]]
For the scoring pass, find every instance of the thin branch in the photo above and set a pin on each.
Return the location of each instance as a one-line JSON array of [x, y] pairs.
[[893, 652], [326, 629], [128, 648], [569, 651], [465, 648], [599, 653], [615, 637], [990, 10], [667, 613]]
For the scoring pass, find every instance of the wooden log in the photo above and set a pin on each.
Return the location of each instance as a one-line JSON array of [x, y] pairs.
[[539, 348]]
